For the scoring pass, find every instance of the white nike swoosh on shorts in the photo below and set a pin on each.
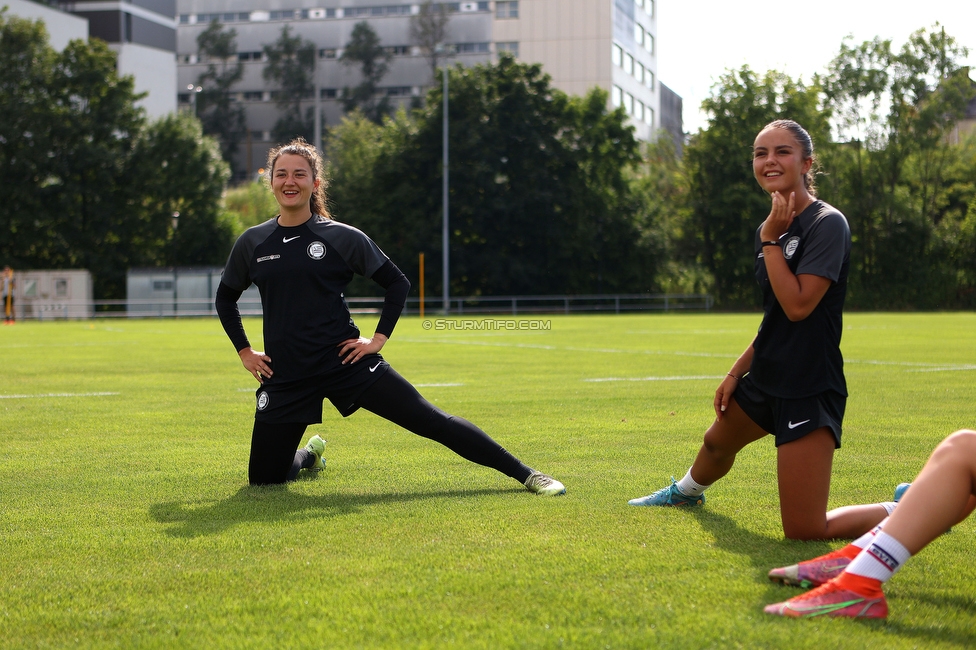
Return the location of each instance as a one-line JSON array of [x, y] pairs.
[[378, 365], [793, 426]]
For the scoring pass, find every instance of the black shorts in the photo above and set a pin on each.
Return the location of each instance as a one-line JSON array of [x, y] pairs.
[[300, 401], [791, 419]]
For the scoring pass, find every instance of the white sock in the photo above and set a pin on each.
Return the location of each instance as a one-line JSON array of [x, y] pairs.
[[689, 487], [889, 506], [881, 559], [865, 540]]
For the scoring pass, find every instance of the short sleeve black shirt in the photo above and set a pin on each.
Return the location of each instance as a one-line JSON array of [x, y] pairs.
[[302, 273], [800, 359]]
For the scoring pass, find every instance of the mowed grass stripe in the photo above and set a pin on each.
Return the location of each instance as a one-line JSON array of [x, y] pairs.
[[125, 520]]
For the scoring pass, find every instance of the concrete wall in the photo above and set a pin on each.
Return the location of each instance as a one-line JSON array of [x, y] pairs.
[[154, 72]]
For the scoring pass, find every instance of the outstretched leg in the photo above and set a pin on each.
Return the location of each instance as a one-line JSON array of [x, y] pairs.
[[943, 494], [392, 397], [723, 440]]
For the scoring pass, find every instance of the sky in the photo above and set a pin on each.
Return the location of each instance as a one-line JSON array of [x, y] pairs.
[[698, 40]]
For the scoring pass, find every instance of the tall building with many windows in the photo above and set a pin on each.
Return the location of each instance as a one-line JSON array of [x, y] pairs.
[[580, 44]]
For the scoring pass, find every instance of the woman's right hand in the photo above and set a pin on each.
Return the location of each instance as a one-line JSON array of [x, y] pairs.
[[723, 394], [256, 363]]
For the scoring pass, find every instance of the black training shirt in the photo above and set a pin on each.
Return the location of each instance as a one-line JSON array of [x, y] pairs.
[[803, 358], [302, 272]]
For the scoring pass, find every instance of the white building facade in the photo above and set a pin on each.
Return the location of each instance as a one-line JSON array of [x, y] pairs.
[[580, 44]]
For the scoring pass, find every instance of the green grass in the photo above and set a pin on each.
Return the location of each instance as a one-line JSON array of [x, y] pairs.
[[125, 520]]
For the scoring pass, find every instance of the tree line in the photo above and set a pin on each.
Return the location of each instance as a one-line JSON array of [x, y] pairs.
[[549, 193], [89, 182], [552, 194]]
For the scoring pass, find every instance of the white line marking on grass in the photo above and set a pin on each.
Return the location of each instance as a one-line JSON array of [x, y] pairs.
[[914, 366], [436, 385], [921, 367], [944, 369], [683, 378], [57, 395]]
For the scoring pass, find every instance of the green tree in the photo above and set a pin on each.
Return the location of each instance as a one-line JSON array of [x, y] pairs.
[[85, 187], [250, 204], [28, 108], [364, 50], [291, 64], [896, 108], [660, 187], [539, 196], [179, 172], [428, 28], [727, 205], [221, 117]]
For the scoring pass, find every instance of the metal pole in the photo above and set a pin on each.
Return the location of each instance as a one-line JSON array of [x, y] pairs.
[[317, 135], [445, 246]]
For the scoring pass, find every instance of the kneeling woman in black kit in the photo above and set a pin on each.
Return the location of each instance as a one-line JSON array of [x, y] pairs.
[[301, 261]]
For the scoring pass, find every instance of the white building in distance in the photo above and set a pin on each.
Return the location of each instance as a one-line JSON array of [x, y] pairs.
[[610, 44]]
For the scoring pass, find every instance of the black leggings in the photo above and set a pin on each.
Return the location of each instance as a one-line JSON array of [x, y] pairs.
[[274, 459]]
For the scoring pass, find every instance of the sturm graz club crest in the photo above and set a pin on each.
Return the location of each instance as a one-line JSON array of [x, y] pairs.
[[316, 250], [263, 400], [790, 247]]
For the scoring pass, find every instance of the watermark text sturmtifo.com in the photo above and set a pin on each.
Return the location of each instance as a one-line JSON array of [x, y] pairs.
[[486, 324]]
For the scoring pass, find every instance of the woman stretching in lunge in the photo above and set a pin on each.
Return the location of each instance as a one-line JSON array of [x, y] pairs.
[[301, 261], [790, 381]]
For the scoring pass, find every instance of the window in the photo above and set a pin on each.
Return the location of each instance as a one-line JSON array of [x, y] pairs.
[[649, 116], [398, 91], [398, 50], [617, 55], [639, 72], [329, 93], [60, 287], [506, 9], [639, 4], [639, 110], [284, 14], [638, 34], [649, 7], [628, 64], [162, 285], [511, 47], [617, 96], [471, 48], [328, 53], [629, 103], [252, 95], [649, 79], [184, 19], [649, 42]]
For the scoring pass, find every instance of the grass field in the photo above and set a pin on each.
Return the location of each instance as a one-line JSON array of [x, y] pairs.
[[125, 520]]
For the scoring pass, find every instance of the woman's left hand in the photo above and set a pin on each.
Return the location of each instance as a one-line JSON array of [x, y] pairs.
[[352, 350], [780, 217]]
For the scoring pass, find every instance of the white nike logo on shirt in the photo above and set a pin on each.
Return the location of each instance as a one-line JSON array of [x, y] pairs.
[[375, 367], [793, 426], [288, 239]]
